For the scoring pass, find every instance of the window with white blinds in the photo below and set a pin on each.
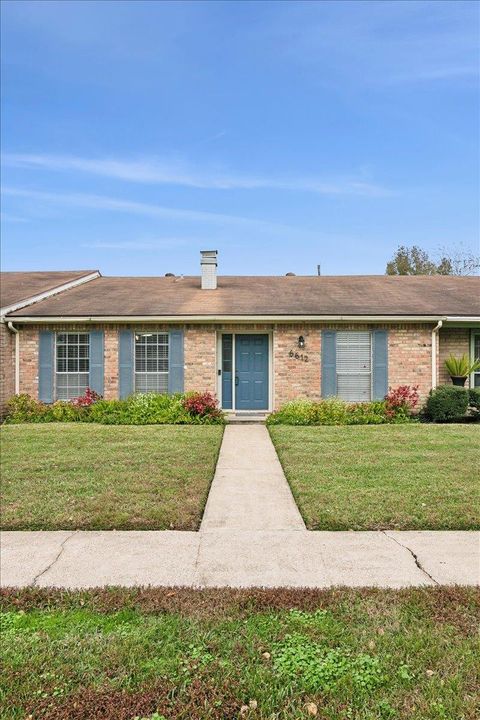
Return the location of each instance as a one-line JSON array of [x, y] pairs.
[[72, 364], [354, 365], [151, 362]]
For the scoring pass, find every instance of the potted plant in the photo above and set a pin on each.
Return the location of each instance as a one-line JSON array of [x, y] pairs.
[[460, 368]]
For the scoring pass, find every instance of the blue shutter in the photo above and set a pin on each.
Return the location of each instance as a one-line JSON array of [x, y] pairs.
[[95, 381], [175, 361], [125, 362], [46, 361], [380, 364], [329, 363]]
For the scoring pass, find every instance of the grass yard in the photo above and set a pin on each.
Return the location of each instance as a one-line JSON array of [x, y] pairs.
[[67, 476], [406, 477], [181, 654]]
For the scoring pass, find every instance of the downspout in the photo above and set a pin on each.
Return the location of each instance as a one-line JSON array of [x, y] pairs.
[[434, 353], [17, 356]]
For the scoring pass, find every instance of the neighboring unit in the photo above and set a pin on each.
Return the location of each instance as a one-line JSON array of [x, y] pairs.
[[255, 342]]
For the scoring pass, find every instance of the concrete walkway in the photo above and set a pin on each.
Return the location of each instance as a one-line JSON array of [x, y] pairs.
[[249, 490], [251, 535]]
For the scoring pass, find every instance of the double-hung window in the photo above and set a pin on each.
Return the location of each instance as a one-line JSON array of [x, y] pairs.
[[72, 364], [354, 365], [151, 362]]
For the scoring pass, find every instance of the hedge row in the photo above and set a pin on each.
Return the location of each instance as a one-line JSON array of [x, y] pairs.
[[139, 409]]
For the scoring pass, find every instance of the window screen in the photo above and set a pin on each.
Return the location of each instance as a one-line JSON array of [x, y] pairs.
[[72, 359], [151, 362], [354, 366]]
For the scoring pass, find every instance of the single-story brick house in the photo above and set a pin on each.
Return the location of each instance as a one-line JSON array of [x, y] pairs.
[[255, 342]]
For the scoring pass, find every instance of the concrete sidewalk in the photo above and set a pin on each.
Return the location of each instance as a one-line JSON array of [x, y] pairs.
[[239, 558], [249, 490], [252, 535]]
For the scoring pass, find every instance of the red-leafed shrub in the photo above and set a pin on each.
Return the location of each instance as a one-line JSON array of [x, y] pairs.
[[401, 400], [86, 400], [202, 405]]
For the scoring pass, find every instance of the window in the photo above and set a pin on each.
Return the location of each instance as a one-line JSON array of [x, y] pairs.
[[354, 366], [151, 362], [475, 381], [72, 356]]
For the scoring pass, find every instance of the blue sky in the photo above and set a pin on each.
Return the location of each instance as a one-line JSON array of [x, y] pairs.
[[284, 134]]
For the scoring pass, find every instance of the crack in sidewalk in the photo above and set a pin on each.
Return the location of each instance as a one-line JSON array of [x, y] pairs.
[[61, 549], [415, 557]]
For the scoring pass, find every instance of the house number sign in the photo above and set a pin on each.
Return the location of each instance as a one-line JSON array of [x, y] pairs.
[[298, 356]]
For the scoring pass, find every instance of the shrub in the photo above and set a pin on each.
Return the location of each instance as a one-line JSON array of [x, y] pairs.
[[401, 401], [87, 399], [474, 398], [446, 403], [109, 412], [202, 406], [138, 409], [23, 408], [334, 411]]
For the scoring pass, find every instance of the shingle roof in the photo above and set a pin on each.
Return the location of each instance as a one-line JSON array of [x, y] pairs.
[[261, 296], [16, 287]]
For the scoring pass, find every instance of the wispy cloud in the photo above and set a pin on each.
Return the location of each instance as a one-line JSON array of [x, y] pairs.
[[177, 173], [103, 202], [161, 244]]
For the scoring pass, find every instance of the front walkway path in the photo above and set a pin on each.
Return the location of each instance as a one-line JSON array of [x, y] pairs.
[[249, 490], [251, 535]]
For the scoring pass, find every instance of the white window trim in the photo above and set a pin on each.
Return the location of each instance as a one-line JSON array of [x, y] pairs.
[[370, 332], [473, 334], [156, 373], [66, 372]]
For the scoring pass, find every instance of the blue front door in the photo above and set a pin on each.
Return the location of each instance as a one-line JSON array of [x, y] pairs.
[[251, 372]]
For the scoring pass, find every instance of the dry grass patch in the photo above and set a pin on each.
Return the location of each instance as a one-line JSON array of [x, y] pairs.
[[114, 654]]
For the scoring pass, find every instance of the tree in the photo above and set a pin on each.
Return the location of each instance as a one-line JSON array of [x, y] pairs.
[[415, 261]]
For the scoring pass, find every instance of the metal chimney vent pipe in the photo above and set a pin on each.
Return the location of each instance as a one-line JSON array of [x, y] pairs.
[[208, 263]]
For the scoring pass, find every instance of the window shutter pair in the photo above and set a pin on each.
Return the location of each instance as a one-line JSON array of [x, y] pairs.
[[379, 364], [46, 364], [126, 362]]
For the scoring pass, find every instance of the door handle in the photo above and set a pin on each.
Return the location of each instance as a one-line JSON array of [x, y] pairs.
[[236, 380]]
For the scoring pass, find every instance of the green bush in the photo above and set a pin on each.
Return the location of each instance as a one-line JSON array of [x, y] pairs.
[[474, 398], [334, 411], [138, 409], [446, 403]]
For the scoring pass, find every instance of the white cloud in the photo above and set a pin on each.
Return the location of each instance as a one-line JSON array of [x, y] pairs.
[[103, 202], [177, 173]]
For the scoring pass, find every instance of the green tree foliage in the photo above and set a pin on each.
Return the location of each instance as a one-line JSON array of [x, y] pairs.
[[415, 261]]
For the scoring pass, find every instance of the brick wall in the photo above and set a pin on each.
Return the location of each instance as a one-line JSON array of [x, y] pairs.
[[409, 349], [7, 366], [452, 341], [410, 357]]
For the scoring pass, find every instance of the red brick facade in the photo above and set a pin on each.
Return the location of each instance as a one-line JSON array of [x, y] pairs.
[[409, 356], [7, 366]]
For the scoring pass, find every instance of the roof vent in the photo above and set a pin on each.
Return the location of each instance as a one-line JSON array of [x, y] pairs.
[[290, 274], [208, 262]]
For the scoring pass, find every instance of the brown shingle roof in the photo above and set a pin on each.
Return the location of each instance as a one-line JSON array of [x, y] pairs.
[[260, 296], [16, 287]]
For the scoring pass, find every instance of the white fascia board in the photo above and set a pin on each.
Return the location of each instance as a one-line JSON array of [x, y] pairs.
[[48, 293], [253, 319]]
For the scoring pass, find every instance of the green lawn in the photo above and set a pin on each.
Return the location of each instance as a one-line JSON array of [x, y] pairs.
[[362, 655], [68, 476], [391, 476]]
